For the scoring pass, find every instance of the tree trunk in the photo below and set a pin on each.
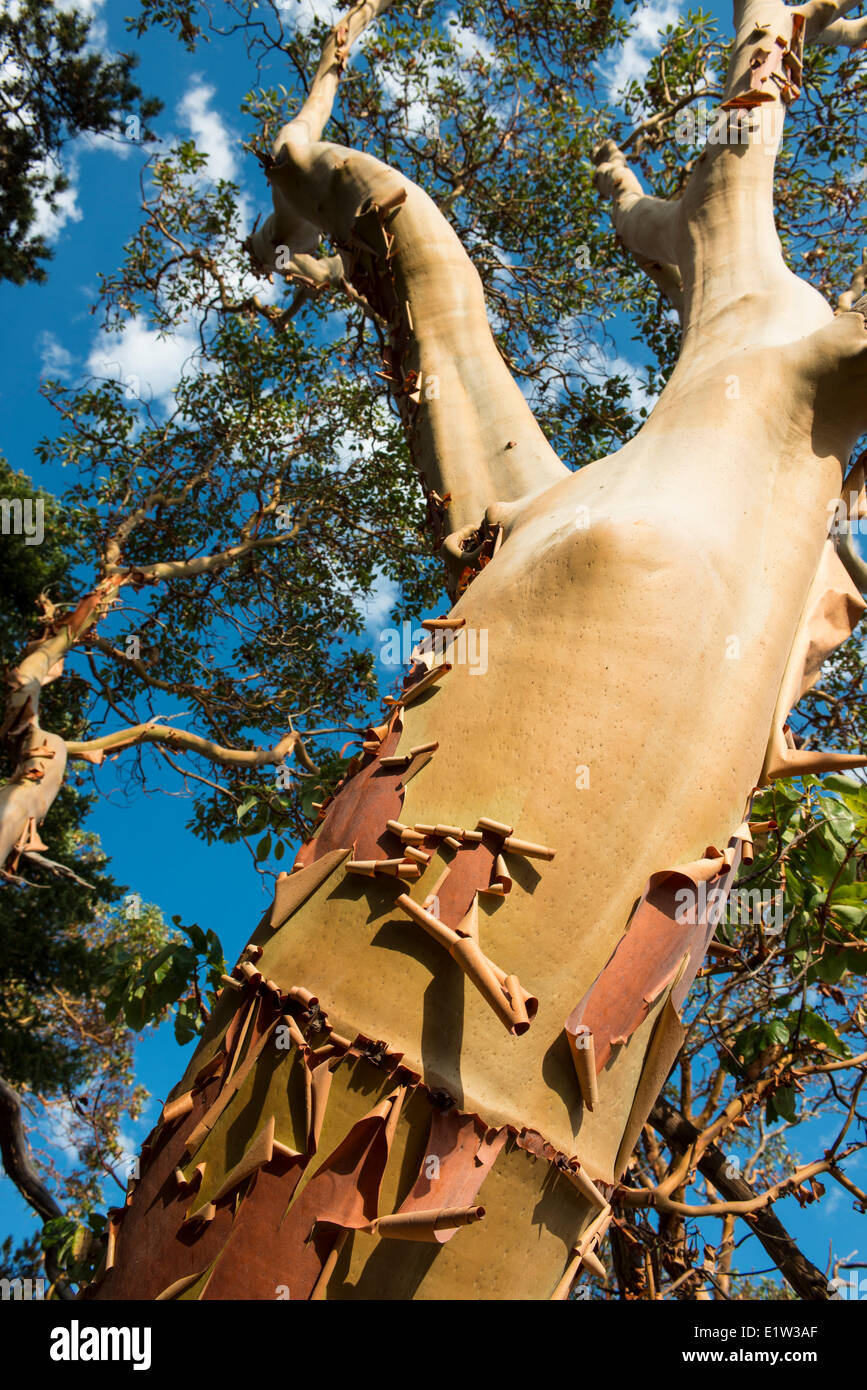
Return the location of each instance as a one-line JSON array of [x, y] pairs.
[[387, 1103]]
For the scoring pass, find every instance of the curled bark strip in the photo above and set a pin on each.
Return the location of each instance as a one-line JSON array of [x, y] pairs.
[[424, 1225], [465, 1150], [29, 794], [367, 799], [167, 1245], [831, 612], [661, 936], [258, 1155]]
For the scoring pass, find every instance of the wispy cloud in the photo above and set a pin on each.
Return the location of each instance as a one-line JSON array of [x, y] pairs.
[[303, 13], [208, 130], [56, 361], [637, 52], [53, 214], [376, 607], [148, 365], [468, 43], [62, 1130]]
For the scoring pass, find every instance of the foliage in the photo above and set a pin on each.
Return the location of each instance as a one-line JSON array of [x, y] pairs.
[[270, 437], [71, 1065], [55, 85], [144, 986]]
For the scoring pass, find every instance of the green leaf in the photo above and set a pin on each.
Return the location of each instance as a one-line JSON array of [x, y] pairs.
[[783, 1104], [838, 782], [816, 1028], [856, 959], [830, 966], [776, 1033], [197, 937]]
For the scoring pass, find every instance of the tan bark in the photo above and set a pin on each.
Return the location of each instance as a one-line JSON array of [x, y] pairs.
[[40, 757]]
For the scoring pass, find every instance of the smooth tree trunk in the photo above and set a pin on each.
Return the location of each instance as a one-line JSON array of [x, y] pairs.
[[427, 1073]]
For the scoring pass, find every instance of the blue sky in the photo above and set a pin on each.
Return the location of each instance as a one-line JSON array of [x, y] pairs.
[[49, 330]]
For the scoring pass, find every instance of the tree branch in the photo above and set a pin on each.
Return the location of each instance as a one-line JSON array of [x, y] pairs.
[[315, 113], [61, 870], [202, 564], [648, 227], [15, 1153], [854, 565], [825, 25], [807, 1281], [472, 434], [186, 742]]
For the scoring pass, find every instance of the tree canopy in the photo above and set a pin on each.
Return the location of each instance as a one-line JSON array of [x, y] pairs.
[[54, 86]]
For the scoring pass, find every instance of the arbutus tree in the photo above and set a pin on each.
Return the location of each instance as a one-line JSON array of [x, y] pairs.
[[427, 1073], [503, 161]]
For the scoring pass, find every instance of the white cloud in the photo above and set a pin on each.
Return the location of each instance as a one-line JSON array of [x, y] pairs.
[[85, 7], [469, 44], [149, 366], [113, 144], [593, 361], [55, 360], [832, 1204], [638, 50], [207, 128], [417, 116], [621, 366], [302, 13], [375, 608], [52, 216], [98, 37], [61, 1128]]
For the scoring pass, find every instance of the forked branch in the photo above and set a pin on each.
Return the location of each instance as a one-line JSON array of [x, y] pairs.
[[472, 435], [826, 26]]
